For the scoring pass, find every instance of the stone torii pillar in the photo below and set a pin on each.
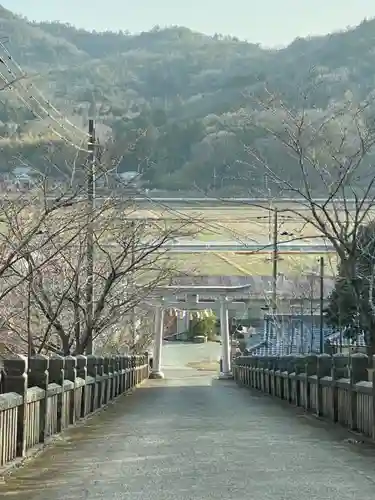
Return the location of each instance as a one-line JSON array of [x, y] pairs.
[[156, 372], [226, 371], [191, 297], [183, 320]]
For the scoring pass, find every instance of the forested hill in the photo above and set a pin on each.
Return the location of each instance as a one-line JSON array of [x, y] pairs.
[[184, 99]]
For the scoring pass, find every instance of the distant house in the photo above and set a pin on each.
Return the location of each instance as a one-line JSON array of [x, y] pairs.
[[23, 172], [22, 176], [129, 178]]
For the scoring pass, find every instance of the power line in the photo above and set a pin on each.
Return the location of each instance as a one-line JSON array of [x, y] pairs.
[[16, 84]]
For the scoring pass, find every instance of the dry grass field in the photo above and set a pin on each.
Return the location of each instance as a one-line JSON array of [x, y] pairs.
[[233, 264], [241, 224]]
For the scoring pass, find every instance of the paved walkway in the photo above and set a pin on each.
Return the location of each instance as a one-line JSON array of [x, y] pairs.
[[191, 437]]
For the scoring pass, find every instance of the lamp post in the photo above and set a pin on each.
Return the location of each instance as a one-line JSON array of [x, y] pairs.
[[321, 300], [266, 319], [311, 278]]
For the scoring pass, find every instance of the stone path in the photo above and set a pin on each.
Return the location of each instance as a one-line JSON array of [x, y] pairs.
[[192, 437]]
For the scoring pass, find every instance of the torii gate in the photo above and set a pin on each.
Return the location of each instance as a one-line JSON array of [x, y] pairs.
[[190, 298]]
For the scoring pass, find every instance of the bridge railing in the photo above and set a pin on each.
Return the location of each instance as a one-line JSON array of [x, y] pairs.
[[51, 394], [340, 388]]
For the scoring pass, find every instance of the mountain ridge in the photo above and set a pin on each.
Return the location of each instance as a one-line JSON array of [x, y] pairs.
[[193, 94]]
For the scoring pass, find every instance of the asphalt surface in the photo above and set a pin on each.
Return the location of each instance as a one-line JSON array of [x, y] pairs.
[[192, 437], [184, 246]]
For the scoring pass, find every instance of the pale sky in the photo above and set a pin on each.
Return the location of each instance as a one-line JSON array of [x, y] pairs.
[[269, 22]]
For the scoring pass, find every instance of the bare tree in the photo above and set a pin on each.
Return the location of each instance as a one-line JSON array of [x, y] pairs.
[[50, 299], [123, 339], [29, 221], [330, 173]]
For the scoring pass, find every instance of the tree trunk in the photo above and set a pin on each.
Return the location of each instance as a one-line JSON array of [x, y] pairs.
[[65, 346]]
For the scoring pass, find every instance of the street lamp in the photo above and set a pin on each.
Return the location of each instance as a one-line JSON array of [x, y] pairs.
[[321, 305], [266, 318], [321, 300]]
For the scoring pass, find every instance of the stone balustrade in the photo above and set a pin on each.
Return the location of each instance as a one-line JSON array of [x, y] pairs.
[[339, 388], [53, 393]]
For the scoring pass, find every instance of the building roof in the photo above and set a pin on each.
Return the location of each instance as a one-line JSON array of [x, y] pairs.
[[287, 287]]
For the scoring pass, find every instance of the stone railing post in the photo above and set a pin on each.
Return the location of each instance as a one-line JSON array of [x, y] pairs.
[[140, 368], [323, 369], [15, 380], [279, 382], [135, 364], [268, 375], [373, 396], [112, 368], [138, 364], [299, 363], [92, 371], [82, 374], [259, 369], [288, 367], [258, 372], [81, 366], [130, 372], [283, 376], [311, 368], [340, 363], [146, 360], [107, 380], [246, 371], [250, 372], [238, 370], [39, 377], [139, 372], [359, 364], [132, 365], [100, 381], [144, 372], [57, 376], [117, 376], [147, 369], [70, 373], [121, 367], [124, 373]]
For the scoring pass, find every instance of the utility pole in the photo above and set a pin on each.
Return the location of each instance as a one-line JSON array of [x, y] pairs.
[[90, 187], [301, 311], [312, 322], [275, 257], [321, 280], [269, 210], [29, 296], [132, 284]]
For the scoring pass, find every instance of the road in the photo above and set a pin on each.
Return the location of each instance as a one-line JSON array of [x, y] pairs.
[[177, 356], [192, 437], [283, 204], [209, 202], [195, 246]]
